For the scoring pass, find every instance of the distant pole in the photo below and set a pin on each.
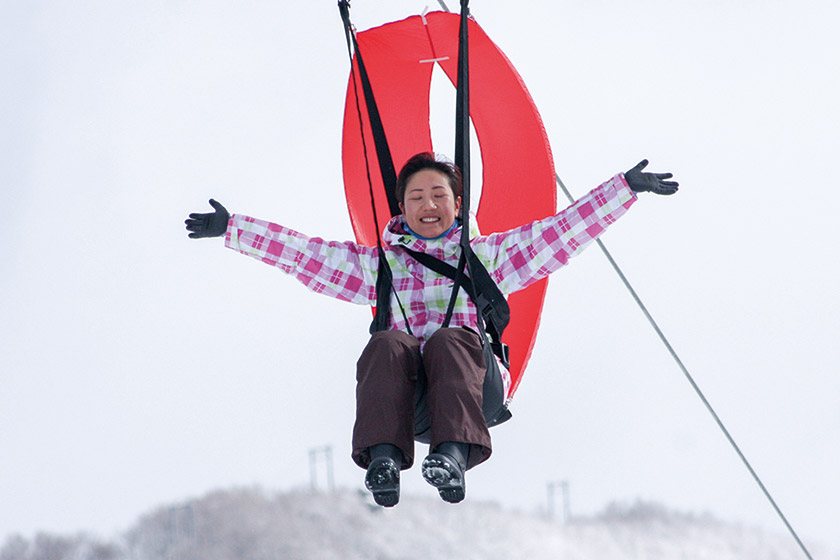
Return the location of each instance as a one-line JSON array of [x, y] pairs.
[[180, 531], [330, 480], [552, 488], [324, 454]]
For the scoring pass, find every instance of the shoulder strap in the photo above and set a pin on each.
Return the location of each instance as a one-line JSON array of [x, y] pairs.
[[441, 267]]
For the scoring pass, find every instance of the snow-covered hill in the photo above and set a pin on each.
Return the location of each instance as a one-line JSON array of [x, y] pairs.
[[250, 524]]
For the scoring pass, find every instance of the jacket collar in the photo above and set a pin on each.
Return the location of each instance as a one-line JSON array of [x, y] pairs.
[[396, 235]]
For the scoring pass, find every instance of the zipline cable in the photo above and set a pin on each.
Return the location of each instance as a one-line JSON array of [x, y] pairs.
[[691, 380]]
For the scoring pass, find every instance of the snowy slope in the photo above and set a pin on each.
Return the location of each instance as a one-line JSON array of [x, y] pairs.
[[249, 524]]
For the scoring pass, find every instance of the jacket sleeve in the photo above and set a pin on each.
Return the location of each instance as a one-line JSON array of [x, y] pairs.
[[519, 257], [345, 271]]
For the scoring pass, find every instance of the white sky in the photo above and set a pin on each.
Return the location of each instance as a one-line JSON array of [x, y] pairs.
[[139, 367]]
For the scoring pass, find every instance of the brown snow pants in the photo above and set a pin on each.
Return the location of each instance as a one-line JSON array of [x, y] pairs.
[[393, 377]]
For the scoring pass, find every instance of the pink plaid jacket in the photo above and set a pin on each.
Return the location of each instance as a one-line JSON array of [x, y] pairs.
[[514, 258]]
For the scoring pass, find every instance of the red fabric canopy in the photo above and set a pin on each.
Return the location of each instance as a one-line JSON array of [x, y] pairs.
[[518, 183]]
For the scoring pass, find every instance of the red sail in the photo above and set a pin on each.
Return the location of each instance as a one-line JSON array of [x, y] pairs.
[[518, 182]]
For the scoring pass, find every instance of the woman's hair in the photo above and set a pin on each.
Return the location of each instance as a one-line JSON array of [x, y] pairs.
[[428, 160]]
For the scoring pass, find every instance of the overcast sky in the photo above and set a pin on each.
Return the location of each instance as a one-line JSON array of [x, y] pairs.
[[139, 367]]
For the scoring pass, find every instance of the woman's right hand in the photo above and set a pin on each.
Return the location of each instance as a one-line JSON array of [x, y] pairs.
[[212, 224]]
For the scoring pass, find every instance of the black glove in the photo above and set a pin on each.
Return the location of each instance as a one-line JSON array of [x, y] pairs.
[[209, 225], [650, 182]]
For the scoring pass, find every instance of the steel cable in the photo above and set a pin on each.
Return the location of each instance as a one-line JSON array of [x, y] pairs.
[[690, 379]]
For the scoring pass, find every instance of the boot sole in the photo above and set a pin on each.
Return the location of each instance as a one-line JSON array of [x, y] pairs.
[[383, 481], [445, 475]]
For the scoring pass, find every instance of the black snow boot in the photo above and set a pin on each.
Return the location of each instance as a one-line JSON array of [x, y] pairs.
[[444, 469], [383, 474]]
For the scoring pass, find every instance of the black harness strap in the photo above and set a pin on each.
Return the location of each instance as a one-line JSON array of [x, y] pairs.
[[384, 277], [492, 308], [462, 154], [383, 152], [485, 294]]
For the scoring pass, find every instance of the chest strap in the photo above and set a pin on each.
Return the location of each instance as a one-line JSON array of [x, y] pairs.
[[484, 293]]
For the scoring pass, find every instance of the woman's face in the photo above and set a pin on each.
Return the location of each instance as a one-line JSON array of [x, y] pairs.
[[430, 206]]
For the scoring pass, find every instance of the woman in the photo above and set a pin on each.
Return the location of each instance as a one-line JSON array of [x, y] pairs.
[[416, 379]]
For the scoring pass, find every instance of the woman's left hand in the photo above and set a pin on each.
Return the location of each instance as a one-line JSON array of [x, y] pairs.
[[650, 182]]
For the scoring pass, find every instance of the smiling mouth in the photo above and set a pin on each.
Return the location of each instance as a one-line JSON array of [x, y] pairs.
[[429, 220]]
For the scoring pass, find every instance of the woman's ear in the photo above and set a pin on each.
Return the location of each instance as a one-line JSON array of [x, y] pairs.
[[458, 205], [402, 208]]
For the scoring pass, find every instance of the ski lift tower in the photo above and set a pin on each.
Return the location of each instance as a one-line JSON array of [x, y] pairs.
[[552, 488], [321, 455]]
